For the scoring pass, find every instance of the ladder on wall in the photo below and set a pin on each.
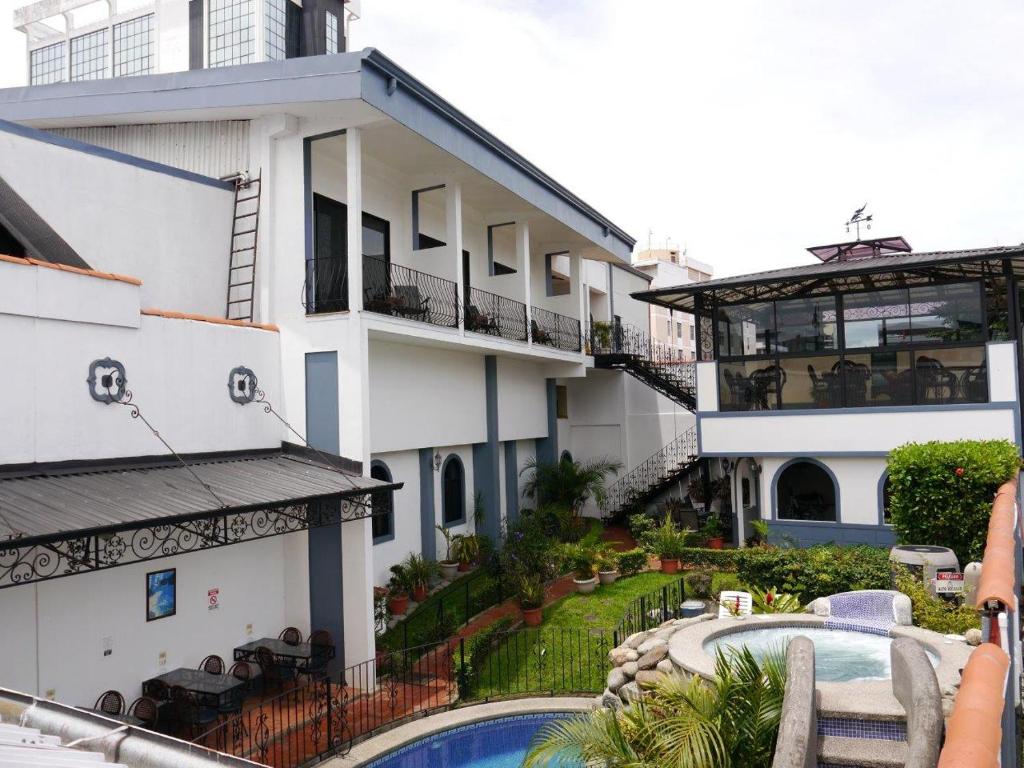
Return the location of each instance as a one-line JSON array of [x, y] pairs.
[[242, 260]]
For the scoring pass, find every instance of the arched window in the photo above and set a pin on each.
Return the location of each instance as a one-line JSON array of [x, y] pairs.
[[383, 521], [566, 457], [453, 491], [805, 490], [884, 496]]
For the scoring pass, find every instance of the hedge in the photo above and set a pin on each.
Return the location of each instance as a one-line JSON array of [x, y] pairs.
[[941, 493], [716, 559], [816, 571]]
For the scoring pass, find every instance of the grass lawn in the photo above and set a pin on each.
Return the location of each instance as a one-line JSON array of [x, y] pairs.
[[605, 606]]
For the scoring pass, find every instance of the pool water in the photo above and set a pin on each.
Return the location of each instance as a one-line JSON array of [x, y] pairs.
[[500, 743], [839, 655]]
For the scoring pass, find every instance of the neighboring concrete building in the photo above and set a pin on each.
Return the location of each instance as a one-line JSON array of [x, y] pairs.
[[76, 40], [668, 267], [809, 376]]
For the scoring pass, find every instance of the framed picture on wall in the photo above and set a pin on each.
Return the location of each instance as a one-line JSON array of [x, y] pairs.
[[161, 596]]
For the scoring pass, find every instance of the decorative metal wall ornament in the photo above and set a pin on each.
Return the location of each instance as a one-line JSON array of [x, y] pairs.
[[242, 385], [107, 381]]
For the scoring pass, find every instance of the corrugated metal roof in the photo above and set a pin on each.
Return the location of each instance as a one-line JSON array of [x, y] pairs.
[[885, 263], [61, 502]]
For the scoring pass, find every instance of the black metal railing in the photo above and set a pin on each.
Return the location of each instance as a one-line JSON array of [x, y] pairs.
[[555, 330], [658, 469], [326, 286], [651, 609], [392, 289], [621, 345], [487, 312]]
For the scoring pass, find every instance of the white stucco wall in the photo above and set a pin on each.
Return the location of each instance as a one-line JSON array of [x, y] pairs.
[[171, 233], [404, 466], [857, 478], [522, 399], [631, 311], [54, 633]]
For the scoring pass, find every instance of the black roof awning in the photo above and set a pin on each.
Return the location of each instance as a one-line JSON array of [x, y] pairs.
[[885, 271], [64, 520]]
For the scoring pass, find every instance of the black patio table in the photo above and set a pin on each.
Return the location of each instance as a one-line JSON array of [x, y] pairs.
[[283, 652], [212, 690]]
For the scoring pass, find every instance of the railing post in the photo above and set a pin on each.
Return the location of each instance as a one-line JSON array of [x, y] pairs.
[[664, 603], [330, 724], [466, 588]]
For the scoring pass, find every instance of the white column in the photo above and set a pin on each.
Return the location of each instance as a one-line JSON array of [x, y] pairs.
[[354, 194], [453, 236], [523, 257], [576, 283], [357, 588]]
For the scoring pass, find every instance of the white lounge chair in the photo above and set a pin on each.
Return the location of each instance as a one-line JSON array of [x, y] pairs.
[[732, 603]]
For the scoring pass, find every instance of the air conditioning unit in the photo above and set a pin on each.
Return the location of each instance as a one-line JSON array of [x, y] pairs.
[[924, 561]]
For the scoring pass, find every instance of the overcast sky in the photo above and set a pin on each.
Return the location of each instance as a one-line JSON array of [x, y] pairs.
[[745, 131]]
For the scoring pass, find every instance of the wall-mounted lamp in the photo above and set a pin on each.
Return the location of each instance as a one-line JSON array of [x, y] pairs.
[[437, 461], [755, 468], [726, 465]]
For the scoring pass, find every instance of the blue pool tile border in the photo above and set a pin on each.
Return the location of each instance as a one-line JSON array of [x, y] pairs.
[[884, 730]]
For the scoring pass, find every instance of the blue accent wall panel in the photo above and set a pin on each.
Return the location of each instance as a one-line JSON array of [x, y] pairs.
[[485, 455], [511, 481], [324, 543], [428, 540], [547, 447], [809, 534]]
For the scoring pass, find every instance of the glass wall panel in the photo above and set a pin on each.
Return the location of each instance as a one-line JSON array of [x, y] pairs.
[[876, 318], [810, 382], [750, 385], [133, 47], [883, 377], [946, 313], [746, 330], [955, 375], [806, 325]]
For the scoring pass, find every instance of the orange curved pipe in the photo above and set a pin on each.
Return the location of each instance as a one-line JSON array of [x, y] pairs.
[[999, 563], [974, 731]]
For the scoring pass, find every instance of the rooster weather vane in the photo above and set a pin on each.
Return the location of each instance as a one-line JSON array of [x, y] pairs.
[[858, 218]]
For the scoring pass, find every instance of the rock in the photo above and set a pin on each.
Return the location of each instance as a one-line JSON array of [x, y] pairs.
[[667, 623], [650, 659], [634, 640], [820, 607], [621, 655], [630, 692], [693, 620], [609, 700], [901, 609], [647, 677], [649, 645], [616, 679], [666, 634], [665, 666], [630, 668], [973, 636]]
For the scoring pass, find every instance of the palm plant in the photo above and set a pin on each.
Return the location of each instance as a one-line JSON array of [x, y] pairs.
[[730, 722], [568, 484]]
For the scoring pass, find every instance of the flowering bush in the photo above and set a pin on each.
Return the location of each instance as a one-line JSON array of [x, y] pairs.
[[941, 493], [771, 600], [816, 571]]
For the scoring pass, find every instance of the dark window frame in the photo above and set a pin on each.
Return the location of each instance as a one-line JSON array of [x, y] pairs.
[[561, 401], [777, 512], [453, 459], [388, 498]]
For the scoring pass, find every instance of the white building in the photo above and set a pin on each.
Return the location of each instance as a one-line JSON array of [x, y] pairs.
[[809, 376], [77, 40], [426, 342], [668, 267]]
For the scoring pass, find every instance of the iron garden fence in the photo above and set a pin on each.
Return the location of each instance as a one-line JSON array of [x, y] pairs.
[[651, 609]]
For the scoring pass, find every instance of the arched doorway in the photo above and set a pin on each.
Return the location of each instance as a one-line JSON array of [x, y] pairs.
[[806, 490]]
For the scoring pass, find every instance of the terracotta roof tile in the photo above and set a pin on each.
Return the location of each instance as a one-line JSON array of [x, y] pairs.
[[28, 261], [208, 319]]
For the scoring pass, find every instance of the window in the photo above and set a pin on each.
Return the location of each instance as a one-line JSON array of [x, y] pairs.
[[275, 46], [806, 325], [679, 329], [332, 33], [383, 520], [556, 273], [562, 401], [746, 330], [231, 32], [692, 336], [565, 458], [805, 491], [745, 491], [47, 65], [885, 498], [133, 47], [453, 491], [501, 248], [89, 56]]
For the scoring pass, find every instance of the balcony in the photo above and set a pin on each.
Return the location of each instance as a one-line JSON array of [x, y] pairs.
[[495, 315], [555, 330]]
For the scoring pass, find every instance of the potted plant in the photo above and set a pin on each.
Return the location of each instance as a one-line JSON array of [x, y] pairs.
[[713, 532], [399, 586], [466, 549], [449, 566], [582, 561], [695, 490], [607, 564], [531, 600], [669, 543], [643, 529], [421, 571]]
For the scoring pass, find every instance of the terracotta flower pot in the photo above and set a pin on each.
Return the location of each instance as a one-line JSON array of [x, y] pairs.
[[669, 566], [533, 617], [398, 605], [463, 567], [448, 570], [585, 586], [608, 577], [419, 593], [716, 543]]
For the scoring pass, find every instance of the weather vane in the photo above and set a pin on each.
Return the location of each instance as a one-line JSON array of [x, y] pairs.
[[858, 218]]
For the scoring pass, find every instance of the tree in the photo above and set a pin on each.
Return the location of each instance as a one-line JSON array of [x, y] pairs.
[[567, 484]]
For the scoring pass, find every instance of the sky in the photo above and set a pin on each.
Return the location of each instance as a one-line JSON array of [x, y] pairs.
[[741, 131]]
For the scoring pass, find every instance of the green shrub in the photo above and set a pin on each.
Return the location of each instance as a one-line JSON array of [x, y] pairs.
[[724, 582], [932, 612], [698, 584], [941, 493], [528, 550], [816, 571], [642, 527], [632, 561], [715, 559], [477, 649]]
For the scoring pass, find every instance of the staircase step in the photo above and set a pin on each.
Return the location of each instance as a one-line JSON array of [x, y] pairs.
[[860, 753], [883, 730]]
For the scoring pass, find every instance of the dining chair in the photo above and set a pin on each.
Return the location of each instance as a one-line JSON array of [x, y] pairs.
[[213, 664], [322, 643], [270, 669], [110, 703], [194, 717], [290, 635], [146, 710]]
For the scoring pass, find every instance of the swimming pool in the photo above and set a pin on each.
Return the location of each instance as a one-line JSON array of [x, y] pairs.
[[499, 743], [839, 655]]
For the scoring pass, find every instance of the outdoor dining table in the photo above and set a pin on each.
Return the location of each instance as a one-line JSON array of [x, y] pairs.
[[283, 652], [212, 690]]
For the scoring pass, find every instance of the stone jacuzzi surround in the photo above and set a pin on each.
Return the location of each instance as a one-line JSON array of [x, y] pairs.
[[855, 699]]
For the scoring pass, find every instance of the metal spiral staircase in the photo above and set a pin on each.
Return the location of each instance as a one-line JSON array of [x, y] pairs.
[[658, 472], [628, 348]]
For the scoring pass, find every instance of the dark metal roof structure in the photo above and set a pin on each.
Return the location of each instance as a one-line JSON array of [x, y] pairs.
[[38, 239], [885, 271], [64, 520]]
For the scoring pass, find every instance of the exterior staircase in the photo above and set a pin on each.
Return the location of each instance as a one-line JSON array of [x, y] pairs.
[[625, 347], [861, 743], [652, 476]]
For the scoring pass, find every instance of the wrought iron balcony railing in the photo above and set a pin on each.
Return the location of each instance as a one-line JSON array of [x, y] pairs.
[[555, 330], [391, 289], [624, 346], [647, 477], [490, 313], [326, 286]]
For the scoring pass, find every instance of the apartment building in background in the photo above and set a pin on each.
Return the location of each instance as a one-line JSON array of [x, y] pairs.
[[666, 267]]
